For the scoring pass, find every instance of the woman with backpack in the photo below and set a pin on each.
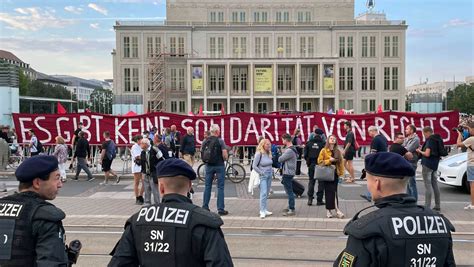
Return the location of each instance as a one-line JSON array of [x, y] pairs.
[[298, 144], [262, 164]]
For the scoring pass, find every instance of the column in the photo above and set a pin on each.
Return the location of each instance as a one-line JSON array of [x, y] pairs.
[[297, 86], [250, 75]]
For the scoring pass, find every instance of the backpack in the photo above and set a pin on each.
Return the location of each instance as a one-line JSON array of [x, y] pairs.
[[39, 146], [111, 150], [275, 155], [210, 150], [440, 150]]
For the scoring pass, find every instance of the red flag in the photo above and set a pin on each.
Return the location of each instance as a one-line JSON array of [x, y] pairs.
[[190, 113], [379, 109], [61, 109], [200, 111], [222, 110]]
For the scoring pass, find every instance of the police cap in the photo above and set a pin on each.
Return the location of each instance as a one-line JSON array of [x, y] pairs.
[[36, 167], [174, 167], [388, 165]]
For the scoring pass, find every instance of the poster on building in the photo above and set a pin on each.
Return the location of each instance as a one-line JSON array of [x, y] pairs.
[[197, 82], [328, 78], [263, 79]]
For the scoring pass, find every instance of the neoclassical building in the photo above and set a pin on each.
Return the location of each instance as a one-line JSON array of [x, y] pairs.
[[260, 56]]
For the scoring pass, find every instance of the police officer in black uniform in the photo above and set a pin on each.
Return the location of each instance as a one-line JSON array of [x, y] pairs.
[[174, 232], [399, 233], [31, 231], [311, 153]]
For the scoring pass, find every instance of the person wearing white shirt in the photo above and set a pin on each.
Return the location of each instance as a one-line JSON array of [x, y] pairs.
[[135, 151]]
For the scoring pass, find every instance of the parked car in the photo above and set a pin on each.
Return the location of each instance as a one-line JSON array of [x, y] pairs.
[[453, 171]]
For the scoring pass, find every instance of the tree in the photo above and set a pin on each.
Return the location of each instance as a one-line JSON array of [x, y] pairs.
[[462, 98], [101, 101], [40, 89]]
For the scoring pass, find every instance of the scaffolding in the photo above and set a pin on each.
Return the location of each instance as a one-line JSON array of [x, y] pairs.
[[158, 93]]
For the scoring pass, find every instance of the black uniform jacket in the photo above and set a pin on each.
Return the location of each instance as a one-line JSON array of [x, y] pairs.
[[206, 248], [399, 233]]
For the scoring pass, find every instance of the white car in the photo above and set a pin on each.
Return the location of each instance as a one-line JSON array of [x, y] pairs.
[[453, 171]]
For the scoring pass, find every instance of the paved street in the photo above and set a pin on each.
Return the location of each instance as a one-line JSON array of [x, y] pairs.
[[96, 215]]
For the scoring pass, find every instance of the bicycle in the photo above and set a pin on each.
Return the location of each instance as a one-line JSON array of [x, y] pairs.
[[15, 157], [233, 171]]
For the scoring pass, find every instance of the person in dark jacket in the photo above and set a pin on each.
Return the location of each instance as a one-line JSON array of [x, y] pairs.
[[189, 235], [31, 228], [399, 232], [149, 159], [82, 152], [311, 153], [188, 146]]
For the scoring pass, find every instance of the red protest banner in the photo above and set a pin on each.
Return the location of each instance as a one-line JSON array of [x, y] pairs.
[[236, 128]]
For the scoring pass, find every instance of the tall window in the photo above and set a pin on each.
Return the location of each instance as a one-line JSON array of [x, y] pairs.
[[304, 16], [217, 16], [284, 105], [364, 78], [391, 46], [153, 46], [285, 79], [220, 47], [239, 107], [394, 104], [307, 79], [386, 104], [288, 46], [239, 47], [216, 79], [284, 46], [235, 16], [258, 47], [266, 47], [174, 106], [239, 79], [364, 46], [372, 46], [350, 78], [216, 47], [350, 104], [127, 80], [394, 46], [126, 47], [216, 106], [386, 78], [307, 106], [150, 75], [260, 16], [181, 46], [364, 105], [342, 79], [386, 50], [342, 46], [173, 46], [372, 105], [372, 79], [342, 104], [262, 107], [394, 78], [350, 46], [307, 46], [212, 46], [174, 79], [178, 106], [283, 16]]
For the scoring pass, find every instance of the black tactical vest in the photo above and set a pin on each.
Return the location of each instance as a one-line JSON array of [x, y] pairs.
[[163, 234], [414, 236], [16, 239], [314, 148]]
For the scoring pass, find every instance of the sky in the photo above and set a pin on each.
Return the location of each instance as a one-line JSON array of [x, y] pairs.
[[77, 37]]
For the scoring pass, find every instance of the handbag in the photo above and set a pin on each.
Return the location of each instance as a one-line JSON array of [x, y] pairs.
[[324, 173], [254, 180]]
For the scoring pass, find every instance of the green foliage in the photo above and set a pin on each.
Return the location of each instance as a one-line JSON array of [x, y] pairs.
[[462, 98], [40, 89], [101, 101]]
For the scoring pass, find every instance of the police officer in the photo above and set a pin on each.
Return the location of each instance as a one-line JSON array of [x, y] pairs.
[[31, 231], [175, 232], [311, 153], [399, 233]]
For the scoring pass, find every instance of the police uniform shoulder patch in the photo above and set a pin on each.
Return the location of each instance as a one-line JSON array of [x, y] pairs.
[[360, 228], [49, 212], [347, 260]]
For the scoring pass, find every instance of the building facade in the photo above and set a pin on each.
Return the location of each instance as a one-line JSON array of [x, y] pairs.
[[262, 56]]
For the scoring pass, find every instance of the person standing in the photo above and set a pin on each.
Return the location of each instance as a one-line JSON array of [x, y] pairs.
[[311, 153], [399, 232], [411, 143], [175, 141], [330, 155], [262, 164], [430, 162], [109, 151], [33, 145], [288, 159], [4, 134], [135, 152], [75, 138], [188, 146], [192, 235], [82, 152], [397, 146], [149, 159], [468, 144], [216, 147], [297, 144], [378, 144], [349, 151], [61, 153], [32, 232]]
